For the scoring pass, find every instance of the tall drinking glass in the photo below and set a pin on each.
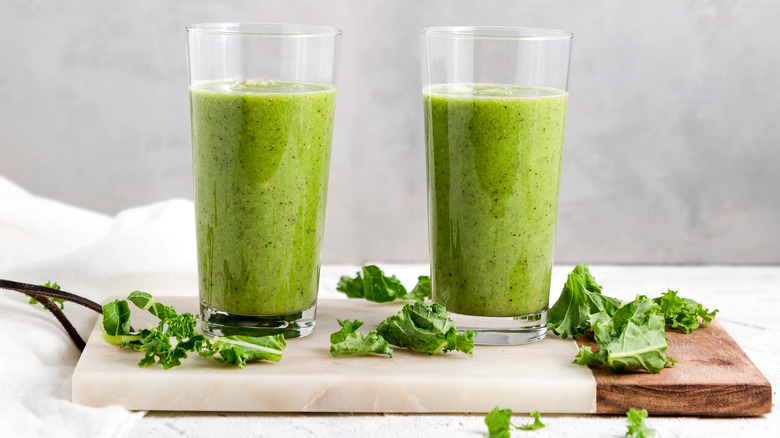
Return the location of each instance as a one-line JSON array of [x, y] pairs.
[[262, 99], [495, 108]]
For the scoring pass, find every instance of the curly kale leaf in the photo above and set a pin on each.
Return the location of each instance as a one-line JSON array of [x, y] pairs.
[[421, 291], [632, 339], [372, 284], [426, 329], [239, 350], [58, 301], [157, 345], [537, 424], [499, 423], [175, 336], [581, 297], [636, 424], [683, 313], [348, 342]]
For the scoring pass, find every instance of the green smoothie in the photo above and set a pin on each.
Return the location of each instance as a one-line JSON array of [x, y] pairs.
[[494, 159], [261, 151]]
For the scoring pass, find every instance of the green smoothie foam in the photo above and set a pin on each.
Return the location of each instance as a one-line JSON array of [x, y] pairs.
[[494, 157], [261, 151]]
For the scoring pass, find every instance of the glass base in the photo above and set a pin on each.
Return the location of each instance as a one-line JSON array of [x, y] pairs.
[[509, 330], [293, 325]]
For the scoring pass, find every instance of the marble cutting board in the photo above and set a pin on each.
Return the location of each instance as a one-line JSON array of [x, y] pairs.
[[524, 378], [713, 377]]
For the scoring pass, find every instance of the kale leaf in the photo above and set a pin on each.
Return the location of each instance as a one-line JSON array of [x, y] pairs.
[[421, 290], [59, 301], [348, 342], [144, 301], [537, 424], [631, 339], [683, 312], [175, 336], [116, 324], [628, 337], [426, 329], [239, 350], [636, 424], [156, 342], [580, 298], [499, 423], [372, 284]]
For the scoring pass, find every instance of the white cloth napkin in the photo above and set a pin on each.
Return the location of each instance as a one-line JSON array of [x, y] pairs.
[[150, 248]]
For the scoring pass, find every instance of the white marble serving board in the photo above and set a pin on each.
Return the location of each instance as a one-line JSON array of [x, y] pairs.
[[523, 378]]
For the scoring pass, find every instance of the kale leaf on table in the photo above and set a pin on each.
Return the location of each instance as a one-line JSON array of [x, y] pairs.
[[175, 336], [629, 337], [683, 312], [499, 423], [537, 424], [427, 329], [372, 284], [239, 350], [636, 424], [421, 291], [580, 298], [348, 342]]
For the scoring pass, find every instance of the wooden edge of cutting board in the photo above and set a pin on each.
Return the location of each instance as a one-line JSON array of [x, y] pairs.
[[713, 377]]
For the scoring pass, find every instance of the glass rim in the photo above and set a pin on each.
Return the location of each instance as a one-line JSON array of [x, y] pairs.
[[261, 30], [497, 32]]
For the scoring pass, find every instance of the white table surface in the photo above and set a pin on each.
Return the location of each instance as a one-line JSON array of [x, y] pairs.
[[152, 249]]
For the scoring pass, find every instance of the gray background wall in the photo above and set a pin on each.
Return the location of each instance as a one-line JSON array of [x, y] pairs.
[[672, 139]]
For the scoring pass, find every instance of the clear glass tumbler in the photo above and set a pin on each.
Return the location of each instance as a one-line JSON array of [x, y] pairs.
[[262, 101], [495, 109]]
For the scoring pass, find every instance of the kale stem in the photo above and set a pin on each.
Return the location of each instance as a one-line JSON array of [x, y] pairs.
[[44, 294], [30, 289], [64, 321]]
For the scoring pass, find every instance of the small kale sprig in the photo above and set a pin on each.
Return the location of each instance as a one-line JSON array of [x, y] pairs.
[[175, 336], [59, 301], [683, 313], [636, 424], [372, 284], [498, 422]]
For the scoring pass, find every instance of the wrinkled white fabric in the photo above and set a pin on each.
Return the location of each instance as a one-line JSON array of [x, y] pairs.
[[150, 248]]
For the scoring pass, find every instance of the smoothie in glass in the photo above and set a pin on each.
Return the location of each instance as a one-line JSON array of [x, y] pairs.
[[261, 151], [494, 159]]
